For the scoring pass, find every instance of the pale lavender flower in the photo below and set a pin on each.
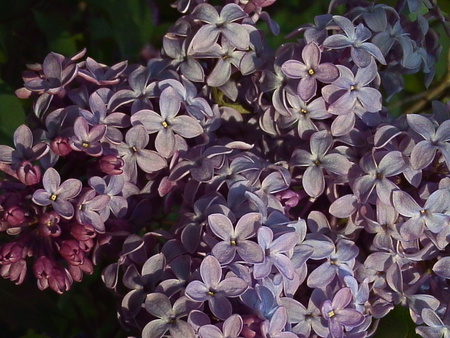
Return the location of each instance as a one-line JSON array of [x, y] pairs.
[[424, 152], [319, 159], [231, 328], [338, 315], [87, 139], [236, 239], [57, 194], [92, 209], [355, 37], [349, 89], [274, 328], [431, 215], [310, 71], [219, 24], [215, 290], [277, 253], [167, 123], [168, 317]]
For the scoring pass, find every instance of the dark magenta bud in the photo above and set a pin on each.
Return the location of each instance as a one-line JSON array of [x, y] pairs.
[[61, 146], [14, 216], [28, 173], [111, 165]]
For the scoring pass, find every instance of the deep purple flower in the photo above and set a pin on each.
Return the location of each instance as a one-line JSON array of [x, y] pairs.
[[57, 194], [338, 315], [215, 290], [310, 71]]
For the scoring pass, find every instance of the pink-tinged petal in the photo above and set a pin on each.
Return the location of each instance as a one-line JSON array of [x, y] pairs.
[[392, 163], [220, 307], [152, 121], [197, 291], [311, 55], [137, 137], [23, 136], [186, 126], [278, 321], [220, 74], [247, 225], [6, 154], [342, 298], [412, 229], [337, 41], [158, 305], [265, 237], [221, 226], [232, 327], [262, 270], [326, 72], [165, 142], [155, 329], [384, 189], [285, 242], [342, 124], [210, 331], [51, 180], [206, 13], [210, 271], [232, 12], [294, 69], [81, 129], [405, 204], [307, 88], [205, 37], [321, 142], [344, 206], [41, 197], [321, 276], [69, 188], [422, 155], [181, 329], [336, 163], [442, 268], [52, 66], [250, 252], [169, 103], [63, 208], [150, 161], [300, 158], [421, 125], [232, 287], [224, 252], [284, 265], [350, 317], [97, 132], [313, 181], [237, 35], [370, 99]]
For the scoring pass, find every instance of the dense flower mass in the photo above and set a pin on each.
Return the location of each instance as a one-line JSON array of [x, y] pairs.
[[244, 192]]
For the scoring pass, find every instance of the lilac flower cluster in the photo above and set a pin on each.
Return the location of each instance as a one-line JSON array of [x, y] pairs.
[[245, 192]]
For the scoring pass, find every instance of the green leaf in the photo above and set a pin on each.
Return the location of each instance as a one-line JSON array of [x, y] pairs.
[[397, 324], [12, 114]]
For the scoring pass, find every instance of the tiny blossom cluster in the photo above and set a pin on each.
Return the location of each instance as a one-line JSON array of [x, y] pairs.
[[303, 208]]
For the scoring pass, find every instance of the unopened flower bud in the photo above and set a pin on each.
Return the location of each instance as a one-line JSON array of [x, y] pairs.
[[14, 215], [111, 165], [61, 146], [11, 252], [28, 173]]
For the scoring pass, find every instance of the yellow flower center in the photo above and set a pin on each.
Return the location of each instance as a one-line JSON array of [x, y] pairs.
[[164, 124], [53, 197], [311, 71], [331, 313], [85, 144]]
